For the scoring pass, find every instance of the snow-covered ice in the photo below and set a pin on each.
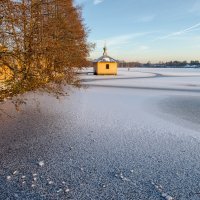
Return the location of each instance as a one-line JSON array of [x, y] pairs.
[[50, 182], [149, 78], [134, 136], [15, 172], [8, 178], [41, 163]]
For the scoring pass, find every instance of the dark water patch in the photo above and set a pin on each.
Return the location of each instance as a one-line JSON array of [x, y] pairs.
[[186, 109]]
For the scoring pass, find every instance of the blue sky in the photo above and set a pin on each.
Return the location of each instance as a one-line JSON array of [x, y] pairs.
[[144, 30]]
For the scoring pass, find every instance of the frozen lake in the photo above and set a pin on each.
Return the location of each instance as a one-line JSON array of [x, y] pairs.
[[131, 136]]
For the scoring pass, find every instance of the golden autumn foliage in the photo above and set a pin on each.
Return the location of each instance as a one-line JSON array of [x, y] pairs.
[[43, 43]]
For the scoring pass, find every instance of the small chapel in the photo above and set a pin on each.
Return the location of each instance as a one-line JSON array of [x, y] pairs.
[[105, 65]]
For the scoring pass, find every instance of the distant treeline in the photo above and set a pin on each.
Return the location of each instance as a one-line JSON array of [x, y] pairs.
[[129, 64], [177, 64], [171, 64]]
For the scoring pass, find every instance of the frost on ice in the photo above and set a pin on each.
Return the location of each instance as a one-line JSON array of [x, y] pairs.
[[41, 163]]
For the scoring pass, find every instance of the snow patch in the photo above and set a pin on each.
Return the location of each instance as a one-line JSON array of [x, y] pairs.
[[163, 194], [41, 163]]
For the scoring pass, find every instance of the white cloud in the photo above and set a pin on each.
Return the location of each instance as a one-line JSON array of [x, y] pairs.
[[96, 2], [117, 45], [119, 40], [181, 32]]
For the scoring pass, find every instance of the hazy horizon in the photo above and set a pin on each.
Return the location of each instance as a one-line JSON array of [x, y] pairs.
[[141, 30]]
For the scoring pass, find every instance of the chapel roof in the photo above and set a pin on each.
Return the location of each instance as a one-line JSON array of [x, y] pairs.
[[105, 57]]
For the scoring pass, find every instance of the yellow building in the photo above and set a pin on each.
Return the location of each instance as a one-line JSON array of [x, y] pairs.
[[105, 65]]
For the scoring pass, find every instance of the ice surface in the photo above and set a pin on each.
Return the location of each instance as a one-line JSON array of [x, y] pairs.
[[41, 163], [180, 79], [131, 136]]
